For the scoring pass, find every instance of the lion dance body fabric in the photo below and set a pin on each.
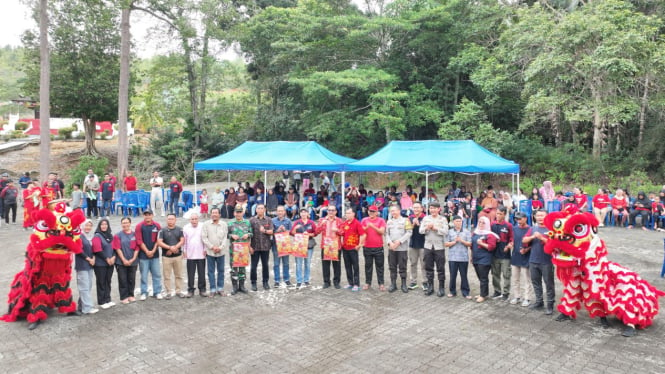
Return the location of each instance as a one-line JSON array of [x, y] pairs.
[[44, 282], [603, 287]]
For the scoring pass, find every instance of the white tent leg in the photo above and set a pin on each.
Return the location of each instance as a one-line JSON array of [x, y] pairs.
[[265, 186], [343, 193], [426, 198], [195, 197]]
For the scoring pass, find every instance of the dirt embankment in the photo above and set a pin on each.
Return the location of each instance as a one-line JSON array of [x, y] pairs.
[[64, 156]]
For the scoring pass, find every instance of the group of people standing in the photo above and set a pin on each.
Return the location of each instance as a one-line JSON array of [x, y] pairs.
[[512, 254]]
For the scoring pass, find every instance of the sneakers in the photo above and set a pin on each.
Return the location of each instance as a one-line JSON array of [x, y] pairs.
[[111, 303], [189, 295], [105, 306], [514, 301], [276, 285], [288, 283], [497, 296], [307, 284], [525, 303], [298, 285], [143, 297], [355, 289], [160, 296], [92, 311], [348, 286], [167, 296], [413, 285], [504, 297], [184, 295]]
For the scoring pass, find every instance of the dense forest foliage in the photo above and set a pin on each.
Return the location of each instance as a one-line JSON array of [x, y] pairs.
[[570, 89]]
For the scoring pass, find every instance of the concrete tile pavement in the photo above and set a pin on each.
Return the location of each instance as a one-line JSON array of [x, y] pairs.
[[333, 331]]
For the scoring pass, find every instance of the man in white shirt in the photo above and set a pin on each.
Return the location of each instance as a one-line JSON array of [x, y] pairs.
[[157, 192]]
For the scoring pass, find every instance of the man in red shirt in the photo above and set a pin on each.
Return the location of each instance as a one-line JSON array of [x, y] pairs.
[[129, 183], [353, 238], [176, 189], [329, 227], [374, 227]]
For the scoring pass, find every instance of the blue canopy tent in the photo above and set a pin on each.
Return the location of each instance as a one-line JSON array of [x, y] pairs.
[[432, 156], [276, 155]]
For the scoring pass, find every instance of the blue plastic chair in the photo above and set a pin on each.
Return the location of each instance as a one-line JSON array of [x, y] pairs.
[[186, 202], [143, 201], [662, 272], [525, 207], [117, 201], [589, 203], [553, 206], [130, 203]]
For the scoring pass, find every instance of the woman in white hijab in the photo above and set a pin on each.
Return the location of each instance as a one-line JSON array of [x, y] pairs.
[[83, 264], [483, 243]]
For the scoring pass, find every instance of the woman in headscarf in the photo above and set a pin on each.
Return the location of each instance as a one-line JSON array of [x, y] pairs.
[[102, 247], [547, 192], [489, 205], [483, 243], [127, 250], [83, 264]]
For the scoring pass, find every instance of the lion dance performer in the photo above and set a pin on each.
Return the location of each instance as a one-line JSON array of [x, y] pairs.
[[590, 279], [44, 282]]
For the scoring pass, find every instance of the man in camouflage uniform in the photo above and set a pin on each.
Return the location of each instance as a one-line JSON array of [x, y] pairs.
[[398, 232], [240, 230]]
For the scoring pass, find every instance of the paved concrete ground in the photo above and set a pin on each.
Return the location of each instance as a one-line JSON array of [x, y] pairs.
[[316, 330]]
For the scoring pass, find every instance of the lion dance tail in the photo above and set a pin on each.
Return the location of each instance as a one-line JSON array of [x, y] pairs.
[[634, 300]]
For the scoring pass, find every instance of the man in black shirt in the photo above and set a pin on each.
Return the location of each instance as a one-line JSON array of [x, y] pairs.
[[170, 240]]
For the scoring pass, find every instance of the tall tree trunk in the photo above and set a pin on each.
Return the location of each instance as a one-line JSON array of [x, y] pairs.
[[192, 85], [90, 133], [597, 124], [123, 91], [205, 67], [643, 111], [44, 99]]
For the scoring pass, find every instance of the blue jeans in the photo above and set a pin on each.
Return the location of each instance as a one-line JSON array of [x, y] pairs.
[[106, 208], [84, 282], [467, 223], [151, 265], [216, 280], [285, 275], [308, 261]]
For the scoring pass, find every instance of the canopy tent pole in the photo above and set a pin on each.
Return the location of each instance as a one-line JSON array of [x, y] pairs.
[[229, 180], [343, 193], [265, 186], [518, 187], [195, 197], [426, 190], [478, 184]]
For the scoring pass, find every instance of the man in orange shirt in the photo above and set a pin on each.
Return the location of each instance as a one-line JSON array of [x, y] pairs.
[[353, 238]]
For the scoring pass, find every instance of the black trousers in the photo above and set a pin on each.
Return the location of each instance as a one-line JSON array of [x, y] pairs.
[[542, 273], [264, 256], [196, 267], [92, 208], [483, 272], [126, 280], [352, 266], [373, 256], [435, 257], [337, 270], [103, 275], [643, 213], [11, 207], [397, 261], [462, 268]]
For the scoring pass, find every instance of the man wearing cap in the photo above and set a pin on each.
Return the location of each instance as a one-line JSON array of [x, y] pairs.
[[375, 228], [398, 233], [262, 228], [9, 196], [435, 228], [520, 282], [240, 230], [146, 237], [91, 188], [157, 192]]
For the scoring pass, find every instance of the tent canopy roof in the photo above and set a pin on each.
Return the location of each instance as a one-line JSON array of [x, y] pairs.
[[277, 155], [434, 156]]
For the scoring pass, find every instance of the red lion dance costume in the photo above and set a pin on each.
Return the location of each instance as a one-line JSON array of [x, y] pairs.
[[590, 279], [44, 282]]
